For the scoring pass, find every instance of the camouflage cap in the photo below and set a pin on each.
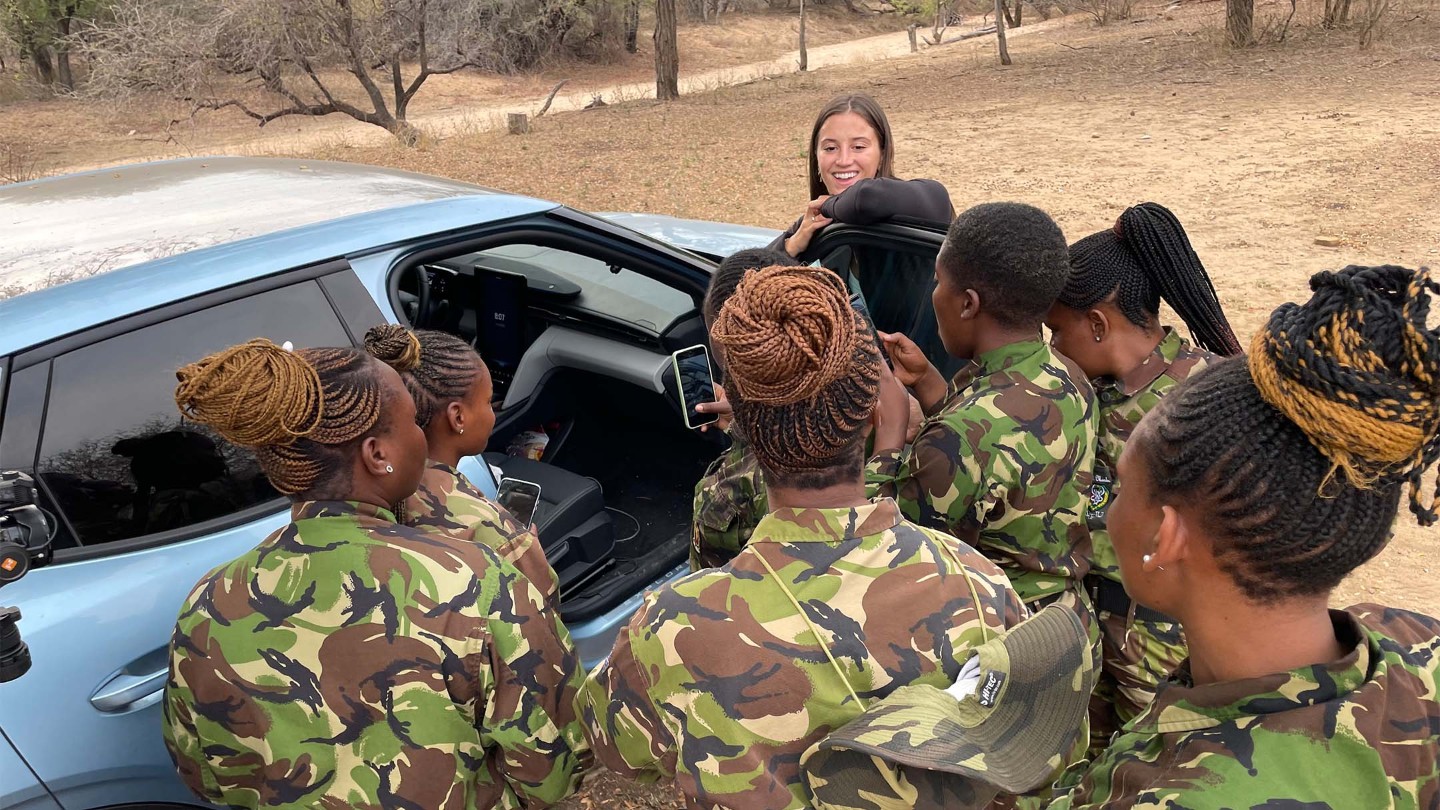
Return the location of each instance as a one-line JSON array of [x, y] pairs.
[[922, 747]]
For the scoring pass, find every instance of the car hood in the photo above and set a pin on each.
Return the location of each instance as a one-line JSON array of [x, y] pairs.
[[713, 239]]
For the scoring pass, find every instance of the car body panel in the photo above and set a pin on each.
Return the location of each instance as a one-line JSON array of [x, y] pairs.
[[19, 789], [713, 240]]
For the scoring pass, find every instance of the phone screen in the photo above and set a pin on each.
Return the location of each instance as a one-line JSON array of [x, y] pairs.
[[692, 370], [501, 308], [520, 498]]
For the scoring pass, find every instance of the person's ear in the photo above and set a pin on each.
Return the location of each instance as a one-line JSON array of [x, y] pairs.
[[969, 304], [1099, 324], [455, 416], [374, 457], [1174, 541]]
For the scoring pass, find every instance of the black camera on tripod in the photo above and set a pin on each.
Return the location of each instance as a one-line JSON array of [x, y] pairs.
[[25, 535]]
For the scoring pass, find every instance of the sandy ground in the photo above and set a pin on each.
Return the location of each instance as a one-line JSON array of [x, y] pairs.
[[1259, 152]]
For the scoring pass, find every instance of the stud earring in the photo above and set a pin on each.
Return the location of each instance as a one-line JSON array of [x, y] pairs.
[[1146, 559], [389, 469], [462, 431], [1097, 338]]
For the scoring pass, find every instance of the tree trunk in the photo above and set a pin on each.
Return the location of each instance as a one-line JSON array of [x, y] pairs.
[[1240, 22], [914, 46], [63, 76], [1012, 20], [804, 57], [1000, 32], [667, 52], [44, 59], [632, 26]]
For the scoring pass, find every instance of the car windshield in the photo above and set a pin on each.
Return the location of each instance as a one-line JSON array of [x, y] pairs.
[[607, 290]]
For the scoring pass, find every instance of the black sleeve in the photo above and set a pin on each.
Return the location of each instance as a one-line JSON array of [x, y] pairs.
[[882, 198], [779, 243]]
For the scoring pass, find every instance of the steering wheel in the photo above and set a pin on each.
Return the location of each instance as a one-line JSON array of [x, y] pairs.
[[422, 294]]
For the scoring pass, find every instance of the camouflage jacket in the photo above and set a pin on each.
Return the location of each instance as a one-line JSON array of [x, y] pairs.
[[719, 683], [446, 501], [350, 661], [1123, 402], [1360, 732], [729, 501], [1005, 465]]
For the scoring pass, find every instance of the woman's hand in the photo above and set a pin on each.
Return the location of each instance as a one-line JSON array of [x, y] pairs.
[[811, 222], [720, 406], [892, 413], [914, 370]]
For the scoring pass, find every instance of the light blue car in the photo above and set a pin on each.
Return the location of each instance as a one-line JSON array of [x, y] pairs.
[[110, 280]]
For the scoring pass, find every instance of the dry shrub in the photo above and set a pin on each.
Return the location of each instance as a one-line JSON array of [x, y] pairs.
[[19, 162], [1103, 12]]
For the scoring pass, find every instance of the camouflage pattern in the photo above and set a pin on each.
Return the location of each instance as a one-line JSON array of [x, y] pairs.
[[1359, 732], [729, 502], [1123, 403], [350, 661], [1005, 465], [1138, 653], [446, 501], [720, 683]]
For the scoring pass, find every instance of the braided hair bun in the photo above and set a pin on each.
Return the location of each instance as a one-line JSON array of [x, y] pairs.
[[299, 411], [1358, 370], [804, 370], [394, 345]]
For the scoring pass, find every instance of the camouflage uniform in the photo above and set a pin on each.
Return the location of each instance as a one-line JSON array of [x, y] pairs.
[[719, 683], [729, 501], [1005, 466], [1140, 648], [1360, 732], [446, 501], [350, 661]]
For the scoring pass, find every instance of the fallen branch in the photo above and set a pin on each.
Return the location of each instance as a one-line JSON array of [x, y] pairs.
[[551, 97], [988, 30], [1076, 48]]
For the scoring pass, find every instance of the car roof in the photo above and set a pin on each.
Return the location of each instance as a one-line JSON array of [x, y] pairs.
[[87, 248]]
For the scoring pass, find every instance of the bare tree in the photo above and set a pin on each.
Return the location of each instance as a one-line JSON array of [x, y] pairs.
[[41, 29], [270, 59], [1240, 22], [1000, 32], [632, 26], [667, 52], [804, 55]]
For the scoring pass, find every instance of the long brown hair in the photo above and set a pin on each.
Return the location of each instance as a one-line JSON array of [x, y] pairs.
[[867, 108]]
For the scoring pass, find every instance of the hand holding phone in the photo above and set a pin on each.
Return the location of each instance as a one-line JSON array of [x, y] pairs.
[[520, 498], [697, 385]]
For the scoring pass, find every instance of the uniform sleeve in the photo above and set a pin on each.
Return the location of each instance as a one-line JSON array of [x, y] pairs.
[[882, 198], [531, 715], [622, 723], [936, 481], [729, 503], [182, 739]]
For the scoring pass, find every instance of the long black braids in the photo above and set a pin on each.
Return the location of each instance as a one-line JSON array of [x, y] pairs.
[[1144, 258]]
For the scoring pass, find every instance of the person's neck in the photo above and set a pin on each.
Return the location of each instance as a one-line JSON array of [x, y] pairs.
[[1237, 639], [442, 450], [839, 496], [995, 337], [1134, 347]]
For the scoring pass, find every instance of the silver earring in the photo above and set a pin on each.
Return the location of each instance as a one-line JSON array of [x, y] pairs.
[[462, 431], [1097, 338], [389, 469], [1146, 559]]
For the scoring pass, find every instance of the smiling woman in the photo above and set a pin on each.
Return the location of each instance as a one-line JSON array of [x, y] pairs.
[[852, 177]]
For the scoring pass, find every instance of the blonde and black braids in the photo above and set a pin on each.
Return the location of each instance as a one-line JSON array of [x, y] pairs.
[[1296, 455], [804, 371], [437, 367], [302, 412]]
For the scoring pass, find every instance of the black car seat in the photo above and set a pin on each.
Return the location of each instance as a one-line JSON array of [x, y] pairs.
[[576, 532]]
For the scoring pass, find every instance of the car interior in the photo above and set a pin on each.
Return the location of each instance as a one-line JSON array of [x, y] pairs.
[[579, 346]]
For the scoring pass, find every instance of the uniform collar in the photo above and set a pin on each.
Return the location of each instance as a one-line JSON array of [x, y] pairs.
[[1137, 379], [309, 510], [997, 359], [1180, 706], [827, 525]]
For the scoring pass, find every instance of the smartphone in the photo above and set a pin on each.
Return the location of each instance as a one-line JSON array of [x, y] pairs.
[[857, 301], [697, 385], [520, 498]]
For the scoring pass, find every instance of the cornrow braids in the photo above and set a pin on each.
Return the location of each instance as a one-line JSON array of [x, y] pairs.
[[732, 269], [1144, 258], [437, 367], [1346, 382], [805, 373], [301, 412]]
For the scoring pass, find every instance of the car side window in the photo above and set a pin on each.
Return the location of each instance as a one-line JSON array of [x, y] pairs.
[[115, 455]]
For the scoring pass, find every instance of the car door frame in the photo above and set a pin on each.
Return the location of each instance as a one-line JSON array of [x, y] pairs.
[[126, 776]]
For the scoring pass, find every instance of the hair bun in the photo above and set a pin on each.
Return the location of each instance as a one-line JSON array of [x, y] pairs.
[[787, 332], [1357, 369], [255, 394], [394, 345]]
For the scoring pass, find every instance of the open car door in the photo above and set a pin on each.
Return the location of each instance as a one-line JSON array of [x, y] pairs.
[[892, 266]]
